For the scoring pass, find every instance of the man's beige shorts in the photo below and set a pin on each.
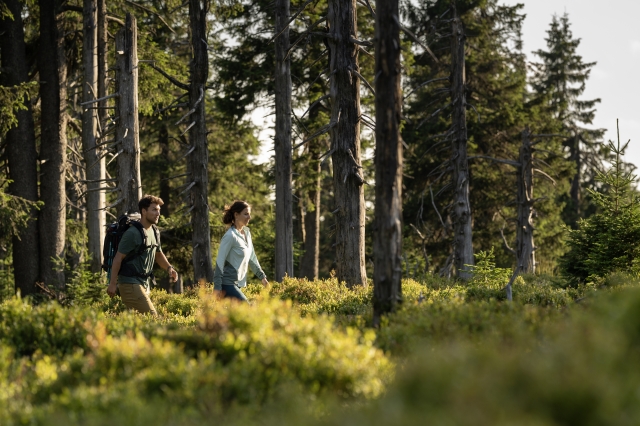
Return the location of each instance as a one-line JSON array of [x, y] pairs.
[[135, 296]]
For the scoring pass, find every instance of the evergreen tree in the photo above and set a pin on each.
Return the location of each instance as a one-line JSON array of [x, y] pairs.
[[559, 81], [610, 239]]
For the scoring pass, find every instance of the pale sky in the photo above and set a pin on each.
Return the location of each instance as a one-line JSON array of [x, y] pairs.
[[610, 36]]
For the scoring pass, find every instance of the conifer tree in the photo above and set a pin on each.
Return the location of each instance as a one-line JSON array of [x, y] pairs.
[[610, 239], [559, 82]]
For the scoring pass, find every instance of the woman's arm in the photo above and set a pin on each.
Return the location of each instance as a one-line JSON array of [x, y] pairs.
[[255, 266], [223, 251]]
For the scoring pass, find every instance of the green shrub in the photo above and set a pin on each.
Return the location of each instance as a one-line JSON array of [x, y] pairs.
[[578, 370]]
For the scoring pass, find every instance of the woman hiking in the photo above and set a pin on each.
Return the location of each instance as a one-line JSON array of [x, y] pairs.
[[236, 253]]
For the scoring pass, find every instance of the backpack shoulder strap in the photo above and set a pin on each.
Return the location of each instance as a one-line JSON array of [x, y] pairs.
[[136, 224], [156, 232]]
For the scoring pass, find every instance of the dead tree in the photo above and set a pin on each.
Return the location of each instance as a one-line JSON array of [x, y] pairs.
[[53, 147], [127, 131], [93, 155], [462, 247], [21, 149], [387, 227], [198, 159], [524, 249], [283, 148], [344, 128], [310, 216]]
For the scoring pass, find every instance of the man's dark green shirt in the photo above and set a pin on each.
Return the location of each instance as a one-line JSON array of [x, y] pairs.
[[143, 264]]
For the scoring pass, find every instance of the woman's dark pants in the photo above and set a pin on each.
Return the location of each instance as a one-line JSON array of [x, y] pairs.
[[233, 292]]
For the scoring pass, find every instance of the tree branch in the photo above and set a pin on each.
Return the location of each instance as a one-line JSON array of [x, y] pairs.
[[179, 84]]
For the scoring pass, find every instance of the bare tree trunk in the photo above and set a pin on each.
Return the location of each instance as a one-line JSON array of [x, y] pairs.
[[202, 264], [102, 62], [525, 254], [94, 161], [311, 257], [344, 92], [127, 131], [21, 150], [461, 210], [576, 196], [165, 186], [53, 149], [387, 227], [283, 149]]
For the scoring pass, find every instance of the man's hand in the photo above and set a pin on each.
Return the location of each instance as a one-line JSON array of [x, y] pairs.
[[111, 290], [265, 282], [173, 274]]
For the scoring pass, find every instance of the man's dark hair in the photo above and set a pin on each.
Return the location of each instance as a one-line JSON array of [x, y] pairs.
[[147, 200]]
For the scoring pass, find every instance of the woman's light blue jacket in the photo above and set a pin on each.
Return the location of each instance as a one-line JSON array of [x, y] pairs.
[[235, 256]]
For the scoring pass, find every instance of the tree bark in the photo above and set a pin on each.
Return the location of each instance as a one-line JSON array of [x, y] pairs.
[[461, 210], [309, 264], [344, 92], [525, 254], [102, 60], [127, 131], [576, 196], [165, 186], [283, 149], [94, 161], [202, 264], [387, 227], [53, 147], [21, 151]]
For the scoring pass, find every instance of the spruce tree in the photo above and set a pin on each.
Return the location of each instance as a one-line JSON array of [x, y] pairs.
[[559, 81], [609, 240]]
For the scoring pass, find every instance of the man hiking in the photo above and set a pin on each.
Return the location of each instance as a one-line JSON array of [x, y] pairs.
[[132, 268]]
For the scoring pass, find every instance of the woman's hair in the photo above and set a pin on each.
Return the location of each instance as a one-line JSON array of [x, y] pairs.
[[229, 211]]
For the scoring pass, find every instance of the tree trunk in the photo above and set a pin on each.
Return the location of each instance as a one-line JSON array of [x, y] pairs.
[[102, 62], [283, 150], [202, 264], [53, 147], [21, 151], [387, 227], [525, 255], [576, 199], [461, 210], [311, 257], [127, 131], [344, 92], [165, 186], [94, 161]]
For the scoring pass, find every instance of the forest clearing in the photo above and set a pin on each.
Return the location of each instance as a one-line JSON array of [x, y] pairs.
[[443, 235]]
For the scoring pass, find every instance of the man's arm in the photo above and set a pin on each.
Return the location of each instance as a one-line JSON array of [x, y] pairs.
[[115, 269], [162, 261]]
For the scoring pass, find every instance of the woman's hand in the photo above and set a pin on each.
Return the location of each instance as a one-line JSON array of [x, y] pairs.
[[265, 282]]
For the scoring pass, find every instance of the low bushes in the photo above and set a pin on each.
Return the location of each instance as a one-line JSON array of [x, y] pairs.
[[85, 362]]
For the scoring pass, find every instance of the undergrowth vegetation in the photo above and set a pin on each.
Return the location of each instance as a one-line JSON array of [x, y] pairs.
[[303, 353]]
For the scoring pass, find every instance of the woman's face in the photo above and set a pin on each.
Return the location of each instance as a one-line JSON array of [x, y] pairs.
[[242, 219]]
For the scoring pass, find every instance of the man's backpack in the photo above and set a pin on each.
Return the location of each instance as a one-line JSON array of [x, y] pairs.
[[112, 238]]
